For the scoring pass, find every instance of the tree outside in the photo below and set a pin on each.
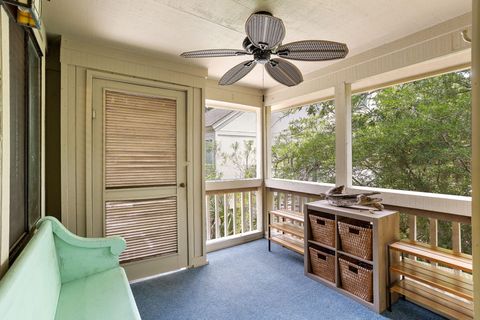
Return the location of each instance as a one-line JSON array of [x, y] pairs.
[[414, 136]]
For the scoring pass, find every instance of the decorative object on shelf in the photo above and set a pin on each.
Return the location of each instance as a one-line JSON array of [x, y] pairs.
[[265, 34], [28, 12], [336, 197]]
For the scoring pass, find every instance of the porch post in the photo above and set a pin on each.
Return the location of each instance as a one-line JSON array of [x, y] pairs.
[[476, 154], [267, 168], [343, 134]]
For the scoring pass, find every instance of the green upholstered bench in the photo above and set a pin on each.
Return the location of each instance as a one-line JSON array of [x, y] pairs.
[[62, 276]]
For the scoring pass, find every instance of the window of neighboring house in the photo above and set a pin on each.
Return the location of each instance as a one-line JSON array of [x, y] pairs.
[[25, 136], [230, 144], [303, 143], [209, 152], [415, 136]]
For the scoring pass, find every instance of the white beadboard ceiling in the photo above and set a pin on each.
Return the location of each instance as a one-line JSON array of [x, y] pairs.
[[168, 27]]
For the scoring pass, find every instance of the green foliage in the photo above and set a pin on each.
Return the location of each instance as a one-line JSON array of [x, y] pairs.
[[244, 159], [232, 217], [414, 136], [211, 151], [306, 149]]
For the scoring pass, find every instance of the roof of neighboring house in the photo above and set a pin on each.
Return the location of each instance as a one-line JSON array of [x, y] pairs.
[[214, 116]]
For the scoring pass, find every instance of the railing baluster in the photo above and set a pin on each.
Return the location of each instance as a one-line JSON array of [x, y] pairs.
[[301, 204], [225, 215], [250, 209], [412, 227], [277, 200], [234, 218], [456, 237], [217, 218], [433, 229], [209, 220], [242, 211], [456, 240], [284, 201]]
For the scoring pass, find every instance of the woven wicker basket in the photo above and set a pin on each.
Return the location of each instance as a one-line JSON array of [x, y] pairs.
[[323, 263], [356, 278], [323, 230], [356, 239]]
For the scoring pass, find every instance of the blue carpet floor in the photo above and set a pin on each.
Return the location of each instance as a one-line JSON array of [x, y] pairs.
[[248, 282]]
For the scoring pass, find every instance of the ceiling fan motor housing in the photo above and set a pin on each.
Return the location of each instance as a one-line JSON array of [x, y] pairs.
[[262, 56], [248, 45]]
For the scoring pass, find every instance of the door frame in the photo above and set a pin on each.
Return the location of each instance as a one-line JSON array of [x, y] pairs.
[[92, 75]]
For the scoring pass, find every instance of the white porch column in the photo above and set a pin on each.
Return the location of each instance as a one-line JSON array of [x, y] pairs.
[[343, 134], [476, 154]]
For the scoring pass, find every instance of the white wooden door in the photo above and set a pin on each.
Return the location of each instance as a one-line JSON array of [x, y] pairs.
[[139, 174]]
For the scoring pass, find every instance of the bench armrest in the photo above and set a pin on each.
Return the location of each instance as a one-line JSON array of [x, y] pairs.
[[79, 257]]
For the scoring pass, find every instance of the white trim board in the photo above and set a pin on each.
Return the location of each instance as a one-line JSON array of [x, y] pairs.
[[426, 45], [455, 205], [234, 95], [223, 243], [233, 184]]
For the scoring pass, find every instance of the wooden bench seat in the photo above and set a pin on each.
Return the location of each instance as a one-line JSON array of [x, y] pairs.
[[433, 299], [65, 277], [434, 254]]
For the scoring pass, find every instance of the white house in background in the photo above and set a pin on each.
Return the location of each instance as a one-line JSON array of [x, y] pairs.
[[223, 128]]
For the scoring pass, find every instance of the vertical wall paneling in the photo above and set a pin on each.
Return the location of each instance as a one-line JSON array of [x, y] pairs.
[[79, 63]]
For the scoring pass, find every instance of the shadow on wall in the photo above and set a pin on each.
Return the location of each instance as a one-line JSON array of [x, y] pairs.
[[52, 129]]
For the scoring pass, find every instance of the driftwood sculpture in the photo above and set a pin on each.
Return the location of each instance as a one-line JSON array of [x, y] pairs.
[[336, 197]]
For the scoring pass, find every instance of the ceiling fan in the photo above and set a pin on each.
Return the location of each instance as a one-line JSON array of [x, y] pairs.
[[264, 38]]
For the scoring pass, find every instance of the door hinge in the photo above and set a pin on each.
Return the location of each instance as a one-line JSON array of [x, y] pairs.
[[94, 114]]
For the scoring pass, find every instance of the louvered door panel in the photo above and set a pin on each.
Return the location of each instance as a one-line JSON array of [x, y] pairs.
[[139, 167], [140, 141], [148, 226]]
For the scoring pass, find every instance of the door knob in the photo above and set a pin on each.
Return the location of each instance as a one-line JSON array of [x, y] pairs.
[[182, 185]]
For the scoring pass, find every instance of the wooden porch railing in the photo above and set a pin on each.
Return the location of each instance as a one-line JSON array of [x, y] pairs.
[[233, 208], [231, 212], [439, 229]]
